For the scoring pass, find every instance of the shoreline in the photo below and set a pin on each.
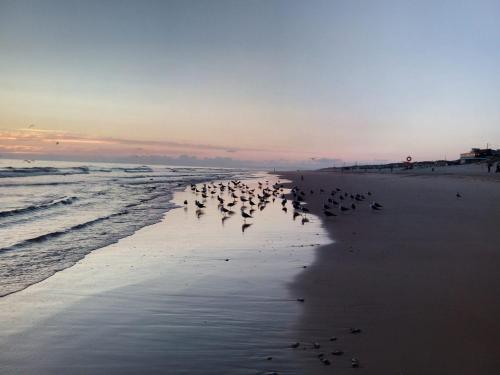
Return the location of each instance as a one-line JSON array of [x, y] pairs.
[[183, 294], [419, 278], [152, 220]]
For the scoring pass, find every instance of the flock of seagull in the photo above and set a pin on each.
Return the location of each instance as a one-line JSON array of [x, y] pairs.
[[235, 195], [231, 193]]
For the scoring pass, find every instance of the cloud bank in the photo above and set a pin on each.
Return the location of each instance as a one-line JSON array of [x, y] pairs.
[[46, 144]]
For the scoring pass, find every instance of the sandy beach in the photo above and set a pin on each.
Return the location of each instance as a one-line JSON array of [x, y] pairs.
[[419, 278]]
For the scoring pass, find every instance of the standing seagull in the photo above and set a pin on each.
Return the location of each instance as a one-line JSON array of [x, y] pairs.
[[245, 215]]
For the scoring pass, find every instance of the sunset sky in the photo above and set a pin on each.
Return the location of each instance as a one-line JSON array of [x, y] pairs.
[[254, 81]]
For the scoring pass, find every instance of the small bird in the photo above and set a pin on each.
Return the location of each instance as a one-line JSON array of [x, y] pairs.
[[458, 195], [185, 202], [199, 204], [328, 213], [245, 215], [374, 207], [342, 208]]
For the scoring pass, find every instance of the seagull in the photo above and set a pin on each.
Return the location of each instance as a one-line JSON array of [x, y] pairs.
[[245, 215], [199, 204]]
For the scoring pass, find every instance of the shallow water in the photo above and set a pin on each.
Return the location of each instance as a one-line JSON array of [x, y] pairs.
[[54, 213], [165, 300]]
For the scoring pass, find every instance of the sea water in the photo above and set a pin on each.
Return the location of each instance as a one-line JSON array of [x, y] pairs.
[[54, 213]]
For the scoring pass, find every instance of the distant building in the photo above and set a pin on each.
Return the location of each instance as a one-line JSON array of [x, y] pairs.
[[477, 154]]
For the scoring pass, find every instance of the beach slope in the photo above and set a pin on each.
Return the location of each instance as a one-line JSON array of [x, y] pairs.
[[420, 278]]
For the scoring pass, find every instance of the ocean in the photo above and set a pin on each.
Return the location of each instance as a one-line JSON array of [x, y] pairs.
[[52, 214]]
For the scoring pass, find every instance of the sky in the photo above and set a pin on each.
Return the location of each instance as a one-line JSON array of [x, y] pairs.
[[249, 82]]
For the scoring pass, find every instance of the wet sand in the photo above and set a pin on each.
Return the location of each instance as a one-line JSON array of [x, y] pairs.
[[420, 278], [184, 296]]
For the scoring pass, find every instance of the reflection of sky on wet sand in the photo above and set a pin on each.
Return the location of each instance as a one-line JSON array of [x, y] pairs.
[[166, 299]]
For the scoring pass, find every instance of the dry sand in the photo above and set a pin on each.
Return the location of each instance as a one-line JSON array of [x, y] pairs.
[[421, 278]]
